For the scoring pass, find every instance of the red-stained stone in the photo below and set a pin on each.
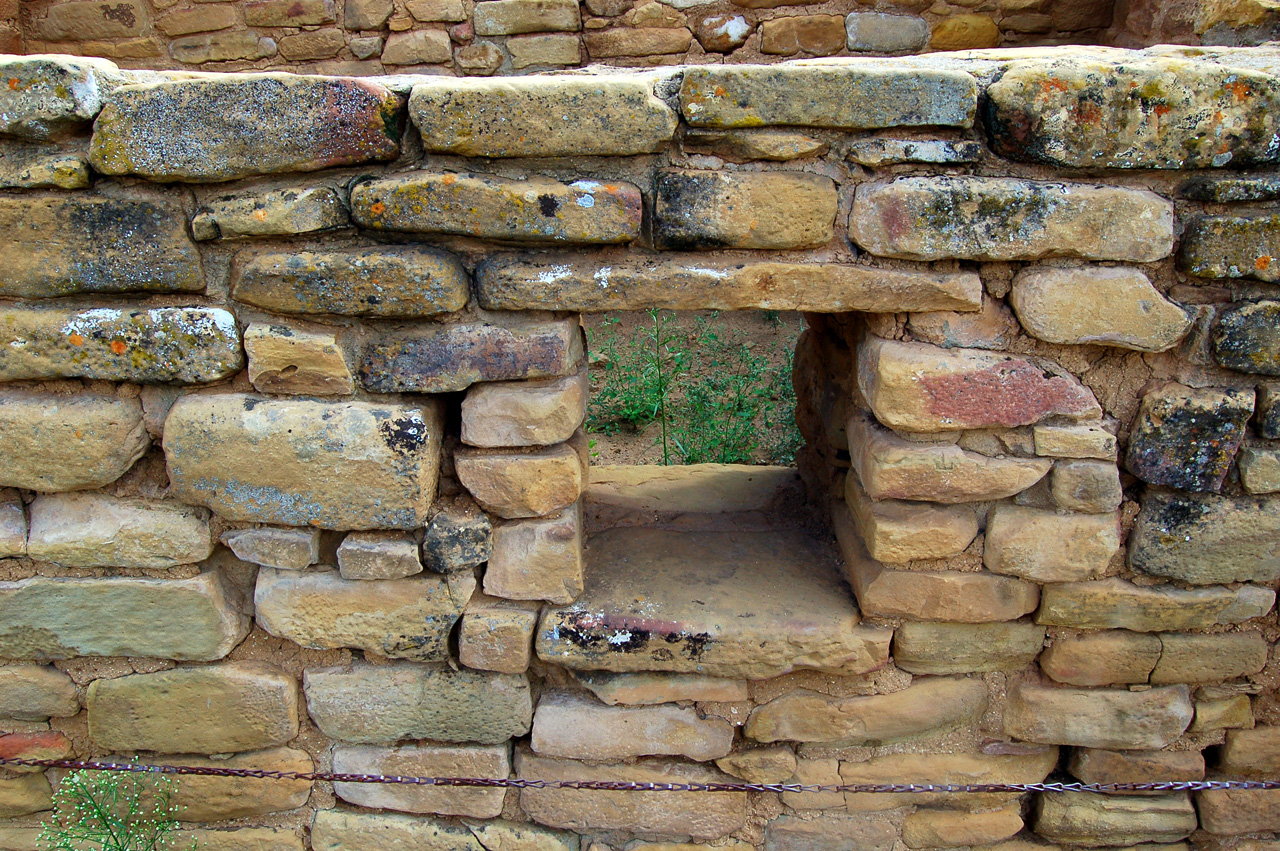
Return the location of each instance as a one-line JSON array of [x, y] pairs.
[[39, 745]]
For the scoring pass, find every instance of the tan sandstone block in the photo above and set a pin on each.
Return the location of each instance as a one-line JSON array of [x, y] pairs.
[[339, 830], [1251, 753], [424, 761], [964, 32], [949, 829], [575, 727], [645, 688], [1097, 718], [1095, 765], [712, 209], [96, 530], [62, 443], [537, 559], [998, 763], [34, 693], [1235, 811], [962, 648], [524, 413], [637, 41], [497, 635], [1112, 657], [1209, 658], [223, 798], [296, 361], [1226, 713], [1119, 820], [1046, 546], [244, 839], [521, 483], [816, 772], [24, 794], [1075, 441], [897, 531], [378, 555], [1116, 603], [1092, 487], [775, 764], [829, 830], [287, 549], [270, 212], [13, 525]]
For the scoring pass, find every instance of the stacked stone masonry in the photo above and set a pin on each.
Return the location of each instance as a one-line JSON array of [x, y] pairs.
[[293, 475]]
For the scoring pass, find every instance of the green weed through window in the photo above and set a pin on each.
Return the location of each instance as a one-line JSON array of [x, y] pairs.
[[105, 811]]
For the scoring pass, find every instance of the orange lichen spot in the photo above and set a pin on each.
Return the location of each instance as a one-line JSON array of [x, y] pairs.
[[1088, 113], [76, 340], [118, 347], [720, 91], [1263, 262], [1053, 84], [260, 215], [13, 84], [377, 208], [1239, 89], [449, 179], [1163, 110], [79, 434]]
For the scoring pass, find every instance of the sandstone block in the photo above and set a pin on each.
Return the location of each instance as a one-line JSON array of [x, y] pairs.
[[286, 549], [964, 32], [13, 526], [1203, 539], [512, 17], [206, 19], [816, 35], [701, 815], [1092, 765], [1230, 189], [537, 559], [378, 555], [1075, 441], [446, 358], [637, 41], [536, 210], [1268, 415], [897, 531], [1246, 339], [34, 745], [53, 96], [222, 798], [96, 530], [917, 387], [646, 688], [712, 209], [524, 413], [920, 218], [270, 212], [458, 537], [963, 648], [1234, 811], [231, 125], [575, 727], [1251, 753], [1092, 487], [34, 693], [876, 32], [284, 13], [949, 829], [1209, 658], [497, 635], [24, 166], [482, 58], [1046, 546], [24, 794], [613, 115], [1097, 718], [741, 146], [244, 839], [555, 50], [1259, 466], [999, 763], [1113, 657], [341, 465], [236, 706], [372, 704], [197, 619], [221, 47], [775, 764], [1088, 818], [853, 96], [424, 761], [723, 33], [928, 705], [828, 832], [296, 361], [399, 618], [521, 483], [1226, 713], [823, 771], [316, 44], [423, 47], [1186, 438], [1240, 246], [336, 830]]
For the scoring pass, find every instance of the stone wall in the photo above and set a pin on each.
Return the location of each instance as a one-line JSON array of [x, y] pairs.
[[293, 381]]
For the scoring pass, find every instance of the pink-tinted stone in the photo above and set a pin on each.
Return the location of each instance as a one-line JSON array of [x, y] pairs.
[[45, 744]]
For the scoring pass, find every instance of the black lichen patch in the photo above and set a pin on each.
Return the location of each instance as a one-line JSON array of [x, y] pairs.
[[405, 434], [1248, 338], [683, 205], [548, 205]]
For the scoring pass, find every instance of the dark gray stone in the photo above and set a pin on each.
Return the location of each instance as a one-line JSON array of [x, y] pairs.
[[1248, 338], [1187, 438], [458, 537]]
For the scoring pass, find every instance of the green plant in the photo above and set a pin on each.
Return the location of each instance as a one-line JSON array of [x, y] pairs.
[[112, 811]]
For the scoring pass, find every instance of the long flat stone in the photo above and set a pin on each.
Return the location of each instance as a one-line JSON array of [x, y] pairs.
[[1088, 818], [574, 726], [535, 210], [1117, 604], [575, 116], [24, 166], [1098, 718], [97, 530], [690, 602], [1234, 246], [228, 126], [342, 465], [999, 218], [270, 212], [388, 281], [36, 692], [339, 830], [424, 761], [857, 95], [59, 245], [996, 763], [963, 648], [48, 97], [697, 209], [197, 619], [1203, 539], [204, 799]]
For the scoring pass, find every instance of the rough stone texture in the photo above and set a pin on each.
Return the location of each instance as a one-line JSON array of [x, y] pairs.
[[1225, 713], [378, 555], [576, 727], [458, 537], [25, 166], [524, 413], [537, 559], [202, 799], [424, 761], [1186, 438], [637, 41], [1075, 441], [1205, 539], [60, 443], [1240, 246], [34, 693], [1226, 811], [229, 126], [244, 839], [645, 608], [646, 688], [891, 467], [1092, 765], [962, 648], [24, 794], [1092, 487], [1247, 338], [288, 13], [554, 50], [497, 635], [998, 763], [750, 145], [287, 549], [1268, 414], [1251, 753], [1114, 657], [340, 830], [1209, 658], [536, 210], [713, 209], [897, 531], [640, 490], [876, 32], [945, 829], [1226, 190], [521, 483], [1092, 819], [221, 47], [916, 387], [828, 832], [296, 361], [1260, 468], [13, 526], [96, 530], [388, 281], [52, 96], [852, 96], [512, 17], [997, 218], [775, 764], [453, 357], [964, 32], [1097, 718], [398, 618], [237, 706], [1110, 306], [197, 619], [817, 35], [1046, 546], [34, 745], [927, 706], [596, 115], [58, 245], [568, 282], [1157, 112], [1117, 604], [372, 704], [271, 212], [880, 152], [424, 47], [701, 815], [342, 465]]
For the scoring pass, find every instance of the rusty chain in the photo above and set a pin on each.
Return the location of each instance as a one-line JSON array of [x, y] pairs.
[[632, 786]]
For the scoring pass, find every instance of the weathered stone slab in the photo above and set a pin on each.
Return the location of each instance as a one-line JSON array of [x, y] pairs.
[[197, 619], [25, 166], [1227, 190], [453, 357], [24, 794], [917, 387], [517, 483], [1206, 539], [1048, 546], [1156, 112], [742, 146], [512, 17], [1240, 246], [48, 97], [345, 465], [270, 212], [1091, 487], [537, 209], [13, 526], [1259, 465], [963, 648], [399, 618], [59, 443], [189, 345], [34, 693], [1075, 441], [1186, 437], [287, 549], [388, 281], [459, 537], [339, 830], [695, 210], [497, 635], [594, 115], [58, 245], [997, 218], [828, 832], [898, 531], [776, 764], [1251, 753], [41, 744], [576, 727], [646, 608], [1235, 811], [1113, 657], [1088, 818], [1248, 338], [568, 282], [244, 839], [1209, 658], [538, 558], [1223, 713], [701, 815], [296, 361], [227, 126], [1097, 718], [856, 95], [378, 555], [201, 799], [424, 761], [1093, 765], [524, 413], [881, 152], [237, 706], [949, 829], [1117, 604], [996, 763], [97, 530], [647, 688]]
